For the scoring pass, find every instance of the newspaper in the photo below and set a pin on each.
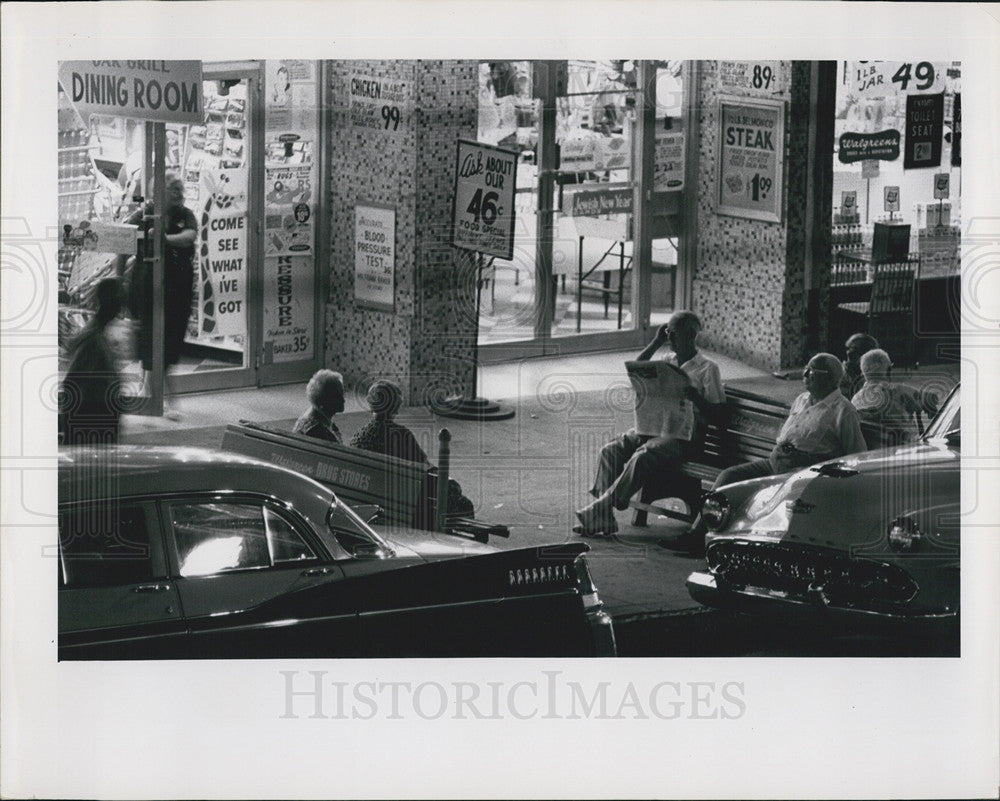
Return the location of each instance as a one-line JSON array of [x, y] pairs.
[[661, 410]]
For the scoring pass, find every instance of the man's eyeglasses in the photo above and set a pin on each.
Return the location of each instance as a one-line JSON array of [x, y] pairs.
[[809, 370]]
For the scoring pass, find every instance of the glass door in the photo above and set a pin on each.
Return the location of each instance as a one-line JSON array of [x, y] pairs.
[[577, 296], [214, 161]]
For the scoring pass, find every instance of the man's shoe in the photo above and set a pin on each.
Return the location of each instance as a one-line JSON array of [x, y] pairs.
[[688, 543], [595, 520]]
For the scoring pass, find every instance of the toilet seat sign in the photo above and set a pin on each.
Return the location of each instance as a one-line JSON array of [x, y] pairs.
[[483, 202]]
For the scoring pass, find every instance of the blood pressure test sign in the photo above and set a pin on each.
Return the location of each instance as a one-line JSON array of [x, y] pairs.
[[483, 211]]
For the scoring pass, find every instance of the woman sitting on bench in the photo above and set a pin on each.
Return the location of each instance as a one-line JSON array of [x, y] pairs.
[[325, 392], [382, 434]]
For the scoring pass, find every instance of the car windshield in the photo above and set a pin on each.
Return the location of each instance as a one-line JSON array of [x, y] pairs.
[[350, 530], [948, 419]]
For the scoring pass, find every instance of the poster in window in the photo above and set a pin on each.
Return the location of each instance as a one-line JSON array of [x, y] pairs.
[[288, 309], [751, 158], [924, 131]]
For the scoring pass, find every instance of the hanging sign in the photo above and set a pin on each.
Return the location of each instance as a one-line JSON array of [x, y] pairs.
[[888, 78], [751, 158], [891, 198], [924, 131], [869, 169], [104, 237], [160, 91], [593, 203], [668, 162], [849, 203], [483, 204], [380, 104], [763, 78], [375, 257], [883, 146], [288, 309]]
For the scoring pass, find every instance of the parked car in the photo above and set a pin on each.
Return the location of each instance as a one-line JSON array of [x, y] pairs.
[[187, 553], [872, 536]]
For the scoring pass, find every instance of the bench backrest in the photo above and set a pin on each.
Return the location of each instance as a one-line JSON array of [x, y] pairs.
[[750, 430], [406, 491]]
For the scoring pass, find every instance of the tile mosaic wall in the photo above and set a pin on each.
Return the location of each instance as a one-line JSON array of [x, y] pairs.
[[428, 341], [748, 280]]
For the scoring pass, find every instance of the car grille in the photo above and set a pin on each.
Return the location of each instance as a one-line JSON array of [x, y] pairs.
[[809, 573]]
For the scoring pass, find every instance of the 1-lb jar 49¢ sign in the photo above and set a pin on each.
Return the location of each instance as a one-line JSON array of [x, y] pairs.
[[483, 211]]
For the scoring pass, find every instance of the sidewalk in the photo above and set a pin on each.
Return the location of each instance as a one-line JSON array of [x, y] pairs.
[[529, 472]]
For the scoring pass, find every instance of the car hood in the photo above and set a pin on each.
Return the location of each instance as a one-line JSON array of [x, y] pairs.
[[850, 500]]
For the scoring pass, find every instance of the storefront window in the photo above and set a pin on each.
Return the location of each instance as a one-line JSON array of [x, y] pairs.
[[897, 185], [595, 135], [890, 154]]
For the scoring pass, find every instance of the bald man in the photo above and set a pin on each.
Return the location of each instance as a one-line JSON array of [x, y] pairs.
[[822, 424], [629, 461], [857, 345]]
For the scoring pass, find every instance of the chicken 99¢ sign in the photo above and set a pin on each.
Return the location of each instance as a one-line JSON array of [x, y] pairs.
[[483, 211]]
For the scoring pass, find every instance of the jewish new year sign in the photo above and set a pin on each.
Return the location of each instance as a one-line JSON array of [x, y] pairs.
[[483, 210], [751, 158]]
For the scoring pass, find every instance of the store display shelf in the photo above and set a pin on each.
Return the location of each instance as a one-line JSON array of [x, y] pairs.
[[77, 148], [80, 192]]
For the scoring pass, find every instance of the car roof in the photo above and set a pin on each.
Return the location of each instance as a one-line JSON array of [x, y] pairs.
[[132, 470]]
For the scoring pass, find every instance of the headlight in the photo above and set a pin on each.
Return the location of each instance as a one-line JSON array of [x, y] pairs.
[[903, 534], [715, 511]]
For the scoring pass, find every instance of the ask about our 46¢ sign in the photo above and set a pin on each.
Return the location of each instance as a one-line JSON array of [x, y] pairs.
[[483, 212]]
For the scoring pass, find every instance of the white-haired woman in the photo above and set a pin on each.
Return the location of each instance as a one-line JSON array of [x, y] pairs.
[[325, 393]]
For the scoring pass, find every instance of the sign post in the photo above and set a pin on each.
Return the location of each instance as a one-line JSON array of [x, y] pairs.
[[482, 222]]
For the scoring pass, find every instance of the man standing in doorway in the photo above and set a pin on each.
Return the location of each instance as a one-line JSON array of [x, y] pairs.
[[180, 231], [626, 463]]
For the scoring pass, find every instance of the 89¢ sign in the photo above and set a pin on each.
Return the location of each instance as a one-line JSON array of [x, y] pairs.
[[483, 205]]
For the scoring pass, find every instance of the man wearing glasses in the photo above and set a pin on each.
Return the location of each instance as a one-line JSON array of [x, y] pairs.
[[822, 424]]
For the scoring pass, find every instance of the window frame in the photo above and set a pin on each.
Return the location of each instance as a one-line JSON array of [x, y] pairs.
[[157, 548], [282, 508]]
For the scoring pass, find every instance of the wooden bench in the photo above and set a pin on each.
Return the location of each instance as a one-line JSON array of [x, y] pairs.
[[750, 430], [406, 493]]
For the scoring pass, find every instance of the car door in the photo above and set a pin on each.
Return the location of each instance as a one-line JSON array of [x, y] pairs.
[[235, 557], [116, 600]]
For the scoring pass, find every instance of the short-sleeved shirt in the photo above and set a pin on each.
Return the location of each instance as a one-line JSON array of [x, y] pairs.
[[313, 423], [706, 378], [704, 375], [887, 404], [828, 428]]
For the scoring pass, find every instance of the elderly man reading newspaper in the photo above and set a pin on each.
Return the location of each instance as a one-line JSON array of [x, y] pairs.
[[673, 399]]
